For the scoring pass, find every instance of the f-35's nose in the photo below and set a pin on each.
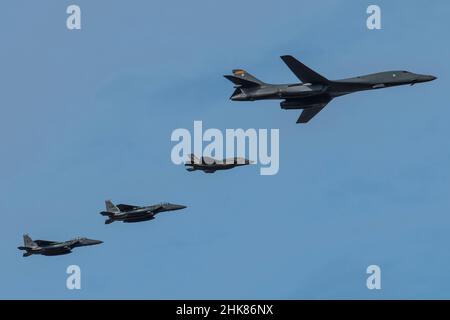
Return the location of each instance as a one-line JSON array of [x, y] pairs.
[[90, 242]]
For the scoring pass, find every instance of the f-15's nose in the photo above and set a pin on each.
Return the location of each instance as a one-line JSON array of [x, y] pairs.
[[176, 207]]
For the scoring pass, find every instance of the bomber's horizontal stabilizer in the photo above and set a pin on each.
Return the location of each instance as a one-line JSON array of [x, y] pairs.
[[305, 74], [241, 82]]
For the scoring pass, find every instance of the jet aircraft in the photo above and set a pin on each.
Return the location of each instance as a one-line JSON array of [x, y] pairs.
[[53, 248], [210, 165], [130, 213], [315, 91]]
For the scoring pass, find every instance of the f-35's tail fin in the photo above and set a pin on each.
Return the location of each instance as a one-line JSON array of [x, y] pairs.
[[244, 79], [305, 74], [110, 208], [194, 159], [28, 242]]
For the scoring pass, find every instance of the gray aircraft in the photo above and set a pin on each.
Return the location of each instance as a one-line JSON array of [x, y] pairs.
[[210, 165], [53, 248], [315, 91], [129, 213]]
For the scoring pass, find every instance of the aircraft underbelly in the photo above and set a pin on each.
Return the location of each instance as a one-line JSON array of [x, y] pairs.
[[298, 95], [139, 219], [56, 251]]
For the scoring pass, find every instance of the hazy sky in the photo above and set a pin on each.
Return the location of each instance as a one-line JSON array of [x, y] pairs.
[[87, 116]]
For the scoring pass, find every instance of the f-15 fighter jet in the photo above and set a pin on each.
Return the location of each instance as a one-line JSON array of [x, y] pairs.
[[53, 248], [315, 91], [130, 213]]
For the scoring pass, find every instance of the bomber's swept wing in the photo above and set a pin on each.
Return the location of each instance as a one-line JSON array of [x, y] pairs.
[[126, 207], [313, 107], [305, 74], [309, 113]]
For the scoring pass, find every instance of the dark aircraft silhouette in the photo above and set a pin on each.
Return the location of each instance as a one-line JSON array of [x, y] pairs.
[[210, 165], [129, 213], [315, 91], [53, 248]]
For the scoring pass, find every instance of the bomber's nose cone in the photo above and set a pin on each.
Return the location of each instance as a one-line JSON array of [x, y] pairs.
[[427, 78]]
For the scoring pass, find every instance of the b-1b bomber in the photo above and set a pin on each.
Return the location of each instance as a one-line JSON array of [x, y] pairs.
[[315, 91]]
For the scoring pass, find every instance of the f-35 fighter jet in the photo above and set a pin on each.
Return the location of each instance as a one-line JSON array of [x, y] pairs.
[[129, 213], [53, 248], [315, 91], [210, 165]]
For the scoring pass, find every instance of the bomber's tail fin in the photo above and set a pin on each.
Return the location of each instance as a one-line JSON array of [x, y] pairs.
[[28, 242], [305, 74], [110, 207], [243, 79]]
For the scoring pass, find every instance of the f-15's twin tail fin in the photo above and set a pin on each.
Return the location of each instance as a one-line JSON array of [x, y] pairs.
[[110, 208], [243, 79]]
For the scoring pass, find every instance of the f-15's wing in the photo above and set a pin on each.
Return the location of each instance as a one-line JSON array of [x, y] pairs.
[[126, 207], [54, 251], [305, 74], [45, 243]]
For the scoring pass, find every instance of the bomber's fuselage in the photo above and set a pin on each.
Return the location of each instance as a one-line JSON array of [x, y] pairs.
[[315, 91], [331, 89]]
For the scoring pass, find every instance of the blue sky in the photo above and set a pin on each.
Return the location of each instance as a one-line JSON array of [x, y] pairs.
[[87, 116]]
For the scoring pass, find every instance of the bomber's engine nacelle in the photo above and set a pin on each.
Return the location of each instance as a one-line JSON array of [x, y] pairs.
[[304, 103]]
